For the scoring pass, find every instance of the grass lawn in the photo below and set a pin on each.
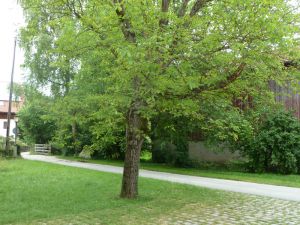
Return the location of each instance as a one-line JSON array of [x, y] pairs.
[[275, 179], [37, 193], [48, 194]]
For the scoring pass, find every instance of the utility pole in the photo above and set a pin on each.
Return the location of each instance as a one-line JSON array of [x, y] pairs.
[[10, 101]]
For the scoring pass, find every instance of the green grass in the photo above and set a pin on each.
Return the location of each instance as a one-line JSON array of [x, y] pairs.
[[264, 178], [33, 192]]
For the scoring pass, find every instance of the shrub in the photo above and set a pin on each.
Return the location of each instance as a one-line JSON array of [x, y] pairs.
[[35, 126], [167, 152], [169, 139], [12, 148], [275, 146]]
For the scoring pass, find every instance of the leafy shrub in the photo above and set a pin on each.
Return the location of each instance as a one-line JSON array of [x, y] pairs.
[[34, 124], [12, 147], [275, 146], [170, 140], [167, 152], [110, 150]]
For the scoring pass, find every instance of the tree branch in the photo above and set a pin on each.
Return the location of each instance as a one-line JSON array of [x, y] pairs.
[[183, 8], [71, 6], [291, 63], [199, 4], [196, 91], [222, 84], [164, 8], [79, 16], [125, 23]]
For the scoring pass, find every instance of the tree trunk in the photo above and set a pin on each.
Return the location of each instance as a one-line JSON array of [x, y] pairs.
[[74, 137], [134, 139]]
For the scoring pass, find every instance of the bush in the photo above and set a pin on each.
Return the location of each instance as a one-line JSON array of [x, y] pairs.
[[11, 150], [167, 152], [275, 146], [110, 151], [34, 125], [169, 140]]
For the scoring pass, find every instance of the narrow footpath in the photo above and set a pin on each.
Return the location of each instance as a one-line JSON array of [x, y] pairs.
[[280, 192]]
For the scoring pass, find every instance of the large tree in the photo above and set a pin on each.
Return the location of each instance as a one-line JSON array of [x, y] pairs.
[[163, 56]]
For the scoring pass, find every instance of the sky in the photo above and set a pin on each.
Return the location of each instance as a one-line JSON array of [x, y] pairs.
[[11, 18]]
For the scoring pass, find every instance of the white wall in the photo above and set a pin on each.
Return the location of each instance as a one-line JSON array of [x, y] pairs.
[[3, 131]]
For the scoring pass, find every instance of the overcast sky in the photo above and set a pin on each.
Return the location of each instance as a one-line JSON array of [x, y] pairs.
[[11, 18]]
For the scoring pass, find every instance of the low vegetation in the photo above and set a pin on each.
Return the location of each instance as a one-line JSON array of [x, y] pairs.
[[275, 147], [11, 149], [35, 191]]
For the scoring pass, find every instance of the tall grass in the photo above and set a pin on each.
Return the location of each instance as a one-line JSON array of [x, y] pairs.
[[11, 149]]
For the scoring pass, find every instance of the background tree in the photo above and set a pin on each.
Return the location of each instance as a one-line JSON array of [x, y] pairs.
[[35, 124]]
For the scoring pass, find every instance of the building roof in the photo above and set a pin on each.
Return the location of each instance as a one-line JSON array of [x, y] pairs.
[[15, 107]]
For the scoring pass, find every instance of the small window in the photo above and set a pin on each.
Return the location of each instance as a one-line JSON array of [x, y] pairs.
[[5, 125]]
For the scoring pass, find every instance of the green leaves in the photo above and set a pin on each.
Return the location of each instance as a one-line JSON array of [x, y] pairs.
[[274, 144], [80, 49]]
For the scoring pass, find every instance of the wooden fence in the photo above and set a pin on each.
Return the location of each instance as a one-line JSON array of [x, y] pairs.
[[42, 149]]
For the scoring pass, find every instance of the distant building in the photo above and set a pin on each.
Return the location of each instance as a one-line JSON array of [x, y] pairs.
[[16, 106], [287, 96]]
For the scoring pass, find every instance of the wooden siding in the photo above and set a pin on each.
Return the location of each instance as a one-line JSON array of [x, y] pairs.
[[286, 96]]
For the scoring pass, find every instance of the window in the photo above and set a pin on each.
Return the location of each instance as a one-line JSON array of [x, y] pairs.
[[5, 125]]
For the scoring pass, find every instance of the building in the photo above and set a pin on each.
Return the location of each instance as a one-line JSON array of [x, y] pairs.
[[286, 95], [16, 105]]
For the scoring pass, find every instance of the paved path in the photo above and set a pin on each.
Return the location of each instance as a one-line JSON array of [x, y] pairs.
[[236, 209], [280, 192]]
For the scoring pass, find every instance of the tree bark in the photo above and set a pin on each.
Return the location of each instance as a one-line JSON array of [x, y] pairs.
[[164, 8], [198, 5], [183, 8], [74, 136], [134, 139]]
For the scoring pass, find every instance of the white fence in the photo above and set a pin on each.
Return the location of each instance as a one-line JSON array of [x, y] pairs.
[[42, 148]]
